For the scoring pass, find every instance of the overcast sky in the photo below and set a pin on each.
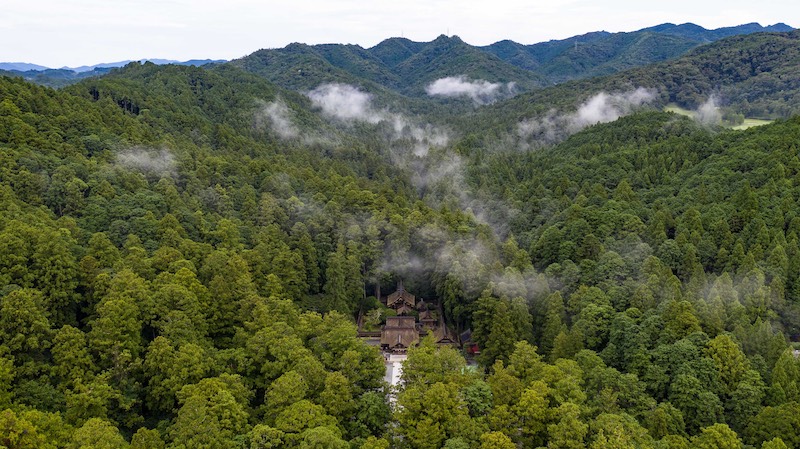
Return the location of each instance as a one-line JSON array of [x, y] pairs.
[[58, 33]]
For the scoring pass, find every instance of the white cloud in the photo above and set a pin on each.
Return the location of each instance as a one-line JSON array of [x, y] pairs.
[[600, 108], [279, 119], [348, 104], [148, 160], [480, 91], [708, 112], [344, 102]]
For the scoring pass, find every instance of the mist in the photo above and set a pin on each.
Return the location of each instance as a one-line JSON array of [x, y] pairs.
[[148, 161], [344, 102], [348, 104], [600, 108], [278, 117], [480, 91], [708, 112], [437, 173]]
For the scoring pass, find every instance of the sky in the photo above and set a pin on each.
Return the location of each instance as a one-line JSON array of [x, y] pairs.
[[57, 33]]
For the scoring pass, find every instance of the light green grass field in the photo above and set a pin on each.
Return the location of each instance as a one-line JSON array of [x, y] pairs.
[[751, 122], [748, 122], [679, 110]]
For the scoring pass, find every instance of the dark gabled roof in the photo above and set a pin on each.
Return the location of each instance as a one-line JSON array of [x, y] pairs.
[[400, 296], [399, 331]]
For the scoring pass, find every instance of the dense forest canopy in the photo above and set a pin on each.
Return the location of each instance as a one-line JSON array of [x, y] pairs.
[[185, 253]]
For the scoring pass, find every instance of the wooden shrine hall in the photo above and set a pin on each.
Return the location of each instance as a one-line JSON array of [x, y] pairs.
[[413, 321]]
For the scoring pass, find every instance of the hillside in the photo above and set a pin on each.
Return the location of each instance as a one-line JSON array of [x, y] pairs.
[[603, 53], [749, 75], [65, 76], [398, 65], [614, 53], [698, 33], [407, 68], [450, 56], [186, 253]]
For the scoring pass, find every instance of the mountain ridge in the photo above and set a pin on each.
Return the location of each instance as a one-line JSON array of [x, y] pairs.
[[26, 67]]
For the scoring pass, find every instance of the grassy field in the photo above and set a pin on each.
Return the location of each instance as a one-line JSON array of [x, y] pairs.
[[751, 122], [748, 122], [679, 110]]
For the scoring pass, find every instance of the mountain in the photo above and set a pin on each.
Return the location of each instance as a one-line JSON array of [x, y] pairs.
[[613, 53], [754, 75], [108, 65], [698, 33], [398, 65], [199, 257], [69, 75], [540, 53], [450, 56], [296, 66], [395, 50], [404, 67], [407, 67], [603, 53], [55, 77], [21, 66]]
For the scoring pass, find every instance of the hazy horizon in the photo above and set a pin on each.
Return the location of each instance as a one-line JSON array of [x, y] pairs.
[[89, 32]]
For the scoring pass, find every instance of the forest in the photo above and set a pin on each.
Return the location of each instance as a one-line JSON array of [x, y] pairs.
[[185, 252]]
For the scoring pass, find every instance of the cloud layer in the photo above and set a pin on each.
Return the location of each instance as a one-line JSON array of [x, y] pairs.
[[148, 160], [600, 108], [708, 112], [278, 117], [480, 91], [344, 102], [348, 104]]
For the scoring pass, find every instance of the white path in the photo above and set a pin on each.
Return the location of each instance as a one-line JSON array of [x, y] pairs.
[[394, 368]]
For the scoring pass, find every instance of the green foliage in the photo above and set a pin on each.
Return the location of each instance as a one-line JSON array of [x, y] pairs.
[[176, 273]]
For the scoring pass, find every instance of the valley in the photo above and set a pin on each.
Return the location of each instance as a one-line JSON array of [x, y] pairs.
[[591, 242]]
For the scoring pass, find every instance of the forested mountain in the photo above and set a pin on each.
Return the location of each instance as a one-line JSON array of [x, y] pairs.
[[185, 252], [71, 75], [603, 53], [54, 77], [754, 75], [409, 67], [397, 65], [698, 33]]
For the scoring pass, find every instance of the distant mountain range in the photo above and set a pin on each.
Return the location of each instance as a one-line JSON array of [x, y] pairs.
[[68, 75], [399, 66], [27, 67], [407, 67]]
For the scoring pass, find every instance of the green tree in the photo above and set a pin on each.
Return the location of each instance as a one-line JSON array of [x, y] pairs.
[[782, 421], [145, 438], [554, 319], [775, 443], [568, 431], [323, 437], [18, 433], [496, 440], [729, 360], [24, 327], [168, 369], [533, 412], [284, 391], [100, 434], [428, 364], [72, 360], [336, 282], [717, 436], [212, 413], [699, 407], [429, 415]]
